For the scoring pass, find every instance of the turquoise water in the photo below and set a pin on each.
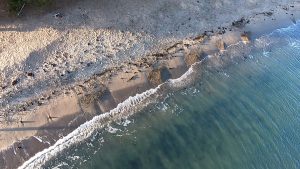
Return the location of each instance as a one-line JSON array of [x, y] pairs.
[[246, 115]]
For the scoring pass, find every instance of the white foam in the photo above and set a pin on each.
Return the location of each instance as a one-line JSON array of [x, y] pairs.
[[295, 44], [126, 122], [85, 130], [60, 165], [111, 129], [74, 158], [40, 140], [183, 80], [14, 151]]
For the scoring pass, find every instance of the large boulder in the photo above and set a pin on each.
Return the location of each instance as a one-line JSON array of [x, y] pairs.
[[245, 37], [159, 75], [220, 45], [193, 57]]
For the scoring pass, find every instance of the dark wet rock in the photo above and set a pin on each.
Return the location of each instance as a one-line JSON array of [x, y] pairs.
[[240, 23], [220, 32], [133, 78], [286, 8], [246, 37], [159, 56], [174, 48], [159, 75], [15, 82], [193, 57], [39, 103], [30, 74], [89, 102], [89, 98], [155, 76], [199, 38], [66, 55], [58, 15], [187, 45], [267, 13]]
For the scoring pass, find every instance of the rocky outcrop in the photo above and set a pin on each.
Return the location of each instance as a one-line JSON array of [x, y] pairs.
[[245, 37], [159, 75], [193, 57], [91, 93], [220, 45], [240, 23]]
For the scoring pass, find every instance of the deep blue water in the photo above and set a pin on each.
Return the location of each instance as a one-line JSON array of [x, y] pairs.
[[244, 116]]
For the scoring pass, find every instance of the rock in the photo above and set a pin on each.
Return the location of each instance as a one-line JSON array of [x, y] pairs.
[[268, 13], [30, 74], [58, 15], [159, 75], [133, 78], [155, 77], [240, 23], [15, 82], [245, 37], [199, 38], [220, 45], [174, 48], [286, 8], [193, 57], [89, 101]]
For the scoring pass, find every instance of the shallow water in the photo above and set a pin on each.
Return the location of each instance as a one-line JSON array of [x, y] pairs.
[[243, 116]]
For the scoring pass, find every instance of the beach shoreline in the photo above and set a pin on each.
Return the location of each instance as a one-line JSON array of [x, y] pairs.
[[102, 92]]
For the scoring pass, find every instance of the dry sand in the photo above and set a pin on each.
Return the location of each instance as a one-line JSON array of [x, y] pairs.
[[57, 73]]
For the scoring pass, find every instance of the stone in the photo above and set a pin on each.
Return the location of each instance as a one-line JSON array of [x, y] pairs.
[[193, 57], [159, 75], [220, 45], [245, 38]]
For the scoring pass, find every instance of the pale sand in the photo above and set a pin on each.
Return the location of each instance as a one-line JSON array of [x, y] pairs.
[[58, 108], [88, 96]]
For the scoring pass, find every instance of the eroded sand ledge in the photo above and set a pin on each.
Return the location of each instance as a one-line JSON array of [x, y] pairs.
[[43, 118]]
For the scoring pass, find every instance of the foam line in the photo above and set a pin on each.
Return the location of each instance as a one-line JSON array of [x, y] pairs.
[[184, 79], [86, 130], [123, 109]]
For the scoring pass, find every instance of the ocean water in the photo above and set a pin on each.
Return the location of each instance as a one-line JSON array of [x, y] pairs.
[[244, 114]]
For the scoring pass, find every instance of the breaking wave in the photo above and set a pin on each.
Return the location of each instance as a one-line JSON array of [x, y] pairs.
[[123, 110], [129, 107]]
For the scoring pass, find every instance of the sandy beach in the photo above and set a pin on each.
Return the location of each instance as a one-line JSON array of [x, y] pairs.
[[59, 72]]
